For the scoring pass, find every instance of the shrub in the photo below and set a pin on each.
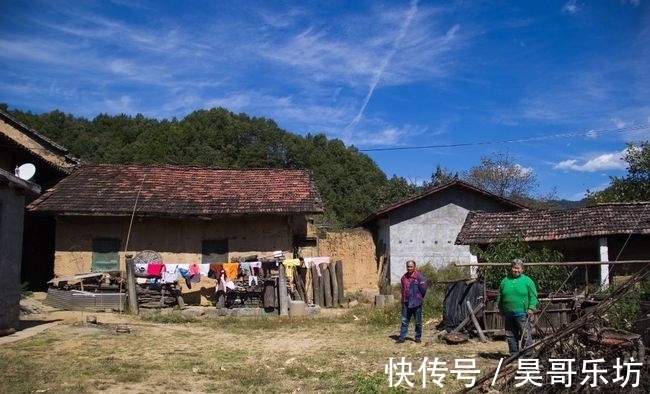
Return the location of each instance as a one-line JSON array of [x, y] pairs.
[[551, 278], [627, 311], [437, 278]]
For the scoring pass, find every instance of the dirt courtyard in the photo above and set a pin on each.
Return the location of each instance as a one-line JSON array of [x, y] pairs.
[[336, 351]]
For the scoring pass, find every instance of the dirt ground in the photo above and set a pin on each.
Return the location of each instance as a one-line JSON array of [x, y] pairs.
[[335, 351]]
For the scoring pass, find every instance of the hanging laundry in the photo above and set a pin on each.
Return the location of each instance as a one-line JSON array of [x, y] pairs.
[[317, 261], [232, 269], [169, 276], [195, 273], [215, 270], [205, 269], [155, 269], [289, 265], [185, 273], [141, 270], [255, 267]]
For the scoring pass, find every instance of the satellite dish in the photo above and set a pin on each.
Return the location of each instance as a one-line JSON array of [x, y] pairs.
[[26, 171]]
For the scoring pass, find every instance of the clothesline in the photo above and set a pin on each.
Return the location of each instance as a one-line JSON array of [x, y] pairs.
[[194, 271]]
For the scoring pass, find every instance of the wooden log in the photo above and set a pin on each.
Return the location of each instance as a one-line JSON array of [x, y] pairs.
[[335, 286], [327, 285], [380, 268], [309, 286], [283, 297], [321, 288], [300, 286], [130, 285], [269, 294], [475, 321], [221, 300], [162, 296], [339, 279], [468, 318], [316, 281]]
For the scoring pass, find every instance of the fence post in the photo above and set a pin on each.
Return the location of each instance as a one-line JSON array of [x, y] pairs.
[[130, 285]]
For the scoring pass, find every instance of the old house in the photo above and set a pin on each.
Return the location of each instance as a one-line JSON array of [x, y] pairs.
[[28, 162], [425, 227], [13, 191], [186, 214], [598, 233]]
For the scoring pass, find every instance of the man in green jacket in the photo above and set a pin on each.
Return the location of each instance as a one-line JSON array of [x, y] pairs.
[[517, 301]]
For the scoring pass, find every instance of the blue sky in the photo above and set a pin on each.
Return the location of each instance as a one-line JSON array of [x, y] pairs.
[[560, 86]]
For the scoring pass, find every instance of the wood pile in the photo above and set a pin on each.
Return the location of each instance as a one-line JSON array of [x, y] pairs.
[[307, 285], [91, 291], [586, 338], [241, 297], [159, 295], [327, 287]]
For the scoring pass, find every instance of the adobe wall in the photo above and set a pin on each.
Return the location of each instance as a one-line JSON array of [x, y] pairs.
[[356, 249], [73, 255], [176, 241]]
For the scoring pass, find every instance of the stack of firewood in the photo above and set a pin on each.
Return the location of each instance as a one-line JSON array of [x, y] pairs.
[[160, 295]]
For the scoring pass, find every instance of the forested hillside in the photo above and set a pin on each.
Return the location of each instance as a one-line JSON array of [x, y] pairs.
[[351, 184]]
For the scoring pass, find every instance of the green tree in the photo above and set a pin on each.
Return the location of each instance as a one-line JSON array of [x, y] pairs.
[[633, 187], [502, 176], [442, 175], [349, 182], [397, 189]]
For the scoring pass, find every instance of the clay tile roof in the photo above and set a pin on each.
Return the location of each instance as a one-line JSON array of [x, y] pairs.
[[180, 191], [549, 225]]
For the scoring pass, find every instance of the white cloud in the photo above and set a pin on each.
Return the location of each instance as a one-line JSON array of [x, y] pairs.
[[123, 105], [121, 66], [399, 45], [571, 7], [525, 170], [382, 66], [606, 161], [387, 136], [618, 122]]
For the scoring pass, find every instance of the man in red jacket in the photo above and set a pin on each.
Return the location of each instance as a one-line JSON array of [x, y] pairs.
[[414, 287]]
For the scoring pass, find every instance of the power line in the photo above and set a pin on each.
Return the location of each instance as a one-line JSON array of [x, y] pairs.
[[518, 140]]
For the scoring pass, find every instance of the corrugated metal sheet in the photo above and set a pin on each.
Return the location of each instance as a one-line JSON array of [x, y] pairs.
[[75, 300]]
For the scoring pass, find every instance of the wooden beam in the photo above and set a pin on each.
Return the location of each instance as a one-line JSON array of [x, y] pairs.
[[475, 321], [571, 263]]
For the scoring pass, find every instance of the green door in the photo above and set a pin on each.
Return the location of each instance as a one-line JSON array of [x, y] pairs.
[[105, 255]]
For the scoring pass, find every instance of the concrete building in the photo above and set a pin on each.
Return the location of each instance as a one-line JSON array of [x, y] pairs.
[[424, 228]]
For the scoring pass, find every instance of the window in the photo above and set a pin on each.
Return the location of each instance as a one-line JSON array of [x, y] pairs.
[[214, 251], [105, 255]]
